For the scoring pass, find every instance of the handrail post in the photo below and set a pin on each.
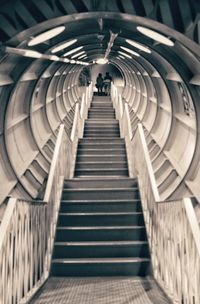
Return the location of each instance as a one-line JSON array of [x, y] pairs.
[[74, 126], [83, 101], [53, 164]]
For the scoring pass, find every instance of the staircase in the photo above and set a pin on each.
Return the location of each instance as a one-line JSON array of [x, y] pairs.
[[100, 230]]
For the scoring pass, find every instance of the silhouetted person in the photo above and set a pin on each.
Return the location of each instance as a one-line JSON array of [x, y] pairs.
[[107, 83], [99, 84]]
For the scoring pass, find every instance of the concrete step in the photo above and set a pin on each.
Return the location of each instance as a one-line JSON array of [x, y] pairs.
[[98, 205], [91, 145], [100, 157], [101, 172], [100, 109], [101, 267], [100, 193], [100, 151], [101, 219], [125, 182], [99, 165], [101, 134], [101, 233], [102, 131], [101, 128], [101, 249], [104, 140]]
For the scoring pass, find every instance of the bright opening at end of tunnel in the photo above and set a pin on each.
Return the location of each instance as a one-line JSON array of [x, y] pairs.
[[102, 61], [155, 36], [46, 35]]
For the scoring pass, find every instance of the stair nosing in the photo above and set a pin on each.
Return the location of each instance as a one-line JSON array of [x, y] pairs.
[[98, 213], [131, 227], [100, 260], [100, 201], [100, 189], [101, 243]]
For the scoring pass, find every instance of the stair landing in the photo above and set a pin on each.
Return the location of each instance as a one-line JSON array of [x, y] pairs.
[[115, 290]]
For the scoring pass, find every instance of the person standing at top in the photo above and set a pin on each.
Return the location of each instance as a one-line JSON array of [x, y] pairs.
[[99, 84], [107, 83]]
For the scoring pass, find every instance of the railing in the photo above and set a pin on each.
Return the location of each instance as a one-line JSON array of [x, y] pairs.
[[28, 228], [172, 226]]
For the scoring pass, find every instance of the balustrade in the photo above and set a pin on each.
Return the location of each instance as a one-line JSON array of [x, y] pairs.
[[172, 227]]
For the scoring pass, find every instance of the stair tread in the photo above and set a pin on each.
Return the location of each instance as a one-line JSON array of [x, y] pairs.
[[125, 227], [101, 169], [100, 189], [100, 179], [102, 201], [99, 213], [100, 260], [102, 243], [100, 162]]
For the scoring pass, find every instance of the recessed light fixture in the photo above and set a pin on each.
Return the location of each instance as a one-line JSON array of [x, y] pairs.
[[122, 57], [66, 60], [54, 58], [72, 61], [46, 35], [124, 54], [63, 46], [73, 51], [82, 56], [129, 51], [102, 61], [32, 54], [138, 46], [155, 36], [78, 54]]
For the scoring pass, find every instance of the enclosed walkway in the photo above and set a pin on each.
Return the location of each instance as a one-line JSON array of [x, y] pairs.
[[99, 193]]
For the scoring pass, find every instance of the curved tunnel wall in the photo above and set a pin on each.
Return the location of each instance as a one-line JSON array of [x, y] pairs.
[[37, 95], [170, 132], [39, 101]]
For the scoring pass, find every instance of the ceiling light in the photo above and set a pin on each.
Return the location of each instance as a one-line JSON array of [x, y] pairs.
[[72, 61], [78, 54], [138, 46], [46, 35], [129, 51], [73, 51], [82, 56], [63, 46], [102, 61], [66, 60], [124, 54], [54, 57], [155, 36], [122, 57], [32, 54]]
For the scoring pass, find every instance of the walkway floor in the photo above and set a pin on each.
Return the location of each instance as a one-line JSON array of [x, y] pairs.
[[109, 290]]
